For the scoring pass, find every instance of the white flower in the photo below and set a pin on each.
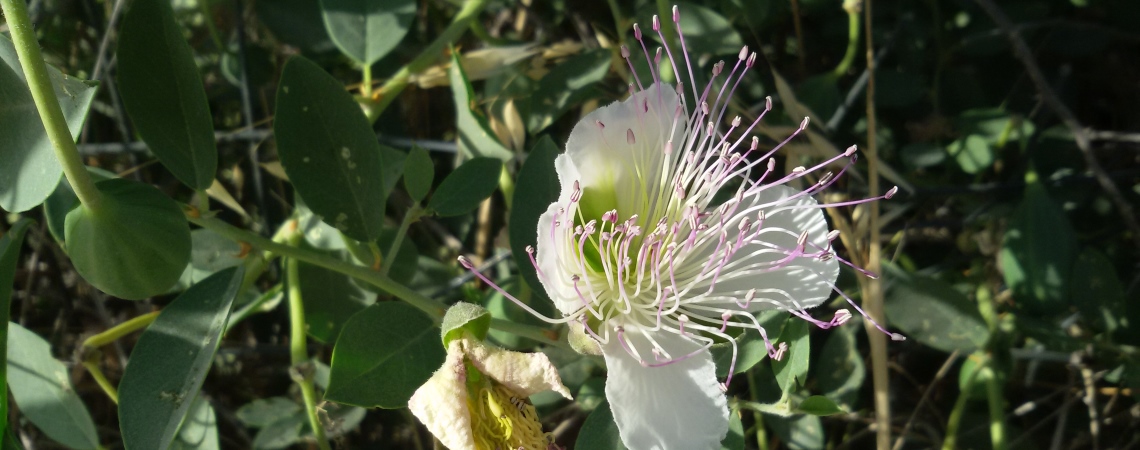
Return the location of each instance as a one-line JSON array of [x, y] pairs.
[[478, 399], [671, 228]]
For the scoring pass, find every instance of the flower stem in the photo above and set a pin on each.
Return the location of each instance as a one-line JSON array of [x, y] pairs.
[[120, 330], [36, 72], [414, 213], [852, 41], [91, 363], [396, 84], [997, 413], [302, 370]]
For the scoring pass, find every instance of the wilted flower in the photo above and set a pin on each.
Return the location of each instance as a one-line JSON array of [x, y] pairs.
[[478, 400], [669, 230]]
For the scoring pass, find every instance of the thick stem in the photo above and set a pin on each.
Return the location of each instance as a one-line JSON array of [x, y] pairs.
[[36, 72], [298, 351], [852, 42], [120, 330], [997, 410], [873, 288], [399, 81]]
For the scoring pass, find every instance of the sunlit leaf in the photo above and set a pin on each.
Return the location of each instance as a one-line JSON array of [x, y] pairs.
[[366, 30], [41, 386], [475, 136], [565, 86], [933, 312], [1037, 252]]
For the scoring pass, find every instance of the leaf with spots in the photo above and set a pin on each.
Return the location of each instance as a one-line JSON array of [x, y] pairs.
[[329, 150], [171, 360]]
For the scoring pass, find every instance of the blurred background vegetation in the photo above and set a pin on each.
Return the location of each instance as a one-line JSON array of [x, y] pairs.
[[1010, 253]]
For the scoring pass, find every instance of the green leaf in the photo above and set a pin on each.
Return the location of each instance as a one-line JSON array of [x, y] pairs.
[[209, 253], [163, 93], [599, 431], [419, 171], [171, 359], [972, 153], [818, 405], [264, 411], [794, 366], [282, 433], [466, 187], [750, 345], [536, 187], [475, 136], [463, 318], [29, 171], [63, 199], [798, 433], [383, 354], [566, 85], [735, 439], [200, 430], [136, 245], [41, 386], [10, 244], [297, 23], [1037, 253], [933, 312], [706, 32], [841, 366], [920, 155], [329, 151], [1097, 293], [331, 299], [366, 30]]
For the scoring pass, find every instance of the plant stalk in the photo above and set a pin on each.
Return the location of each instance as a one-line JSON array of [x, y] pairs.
[[413, 214], [36, 72], [302, 370]]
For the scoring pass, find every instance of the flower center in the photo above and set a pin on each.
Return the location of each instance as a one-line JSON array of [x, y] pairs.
[[502, 419]]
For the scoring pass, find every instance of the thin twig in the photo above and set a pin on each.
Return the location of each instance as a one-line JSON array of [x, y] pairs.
[[942, 371], [1080, 135]]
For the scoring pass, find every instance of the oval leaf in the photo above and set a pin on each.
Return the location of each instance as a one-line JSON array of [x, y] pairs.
[[600, 431], [419, 171], [933, 312], [41, 386], [163, 93], [383, 354], [463, 190], [818, 405], [536, 187], [791, 371], [171, 360], [10, 244], [200, 430], [1037, 252], [566, 85], [136, 244], [28, 168], [329, 151], [475, 136], [366, 30]]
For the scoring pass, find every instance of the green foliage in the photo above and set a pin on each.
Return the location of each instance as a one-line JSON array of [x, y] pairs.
[[419, 171], [791, 371], [329, 150], [466, 187], [162, 91], [475, 136], [158, 392], [541, 189], [9, 256], [366, 30], [565, 86], [934, 313], [1038, 251], [464, 318], [28, 167], [383, 354], [136, 244], [599, 431], [43, 391]]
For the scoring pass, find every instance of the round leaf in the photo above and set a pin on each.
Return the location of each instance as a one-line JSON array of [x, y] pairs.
[[463, 190], [171, 360], [29, 170], [329, 151], [136, 244], [163, 93], [465, 317], [366, 30], [972, 152], [382, 355]]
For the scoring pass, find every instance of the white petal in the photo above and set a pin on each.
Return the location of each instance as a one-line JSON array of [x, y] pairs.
[[441, 403], [554, 265], [679, 406], [606, 160], [524, 373], [806, 280]]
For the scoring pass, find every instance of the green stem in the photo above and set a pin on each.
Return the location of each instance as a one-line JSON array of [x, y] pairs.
[[396, 84], [852, 43], [366, 83], [433, 308], [997, 413], [757, 416], [413, 214], [114, 333], [92, 366], [298, 352], [36, 72], [955, 419]]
